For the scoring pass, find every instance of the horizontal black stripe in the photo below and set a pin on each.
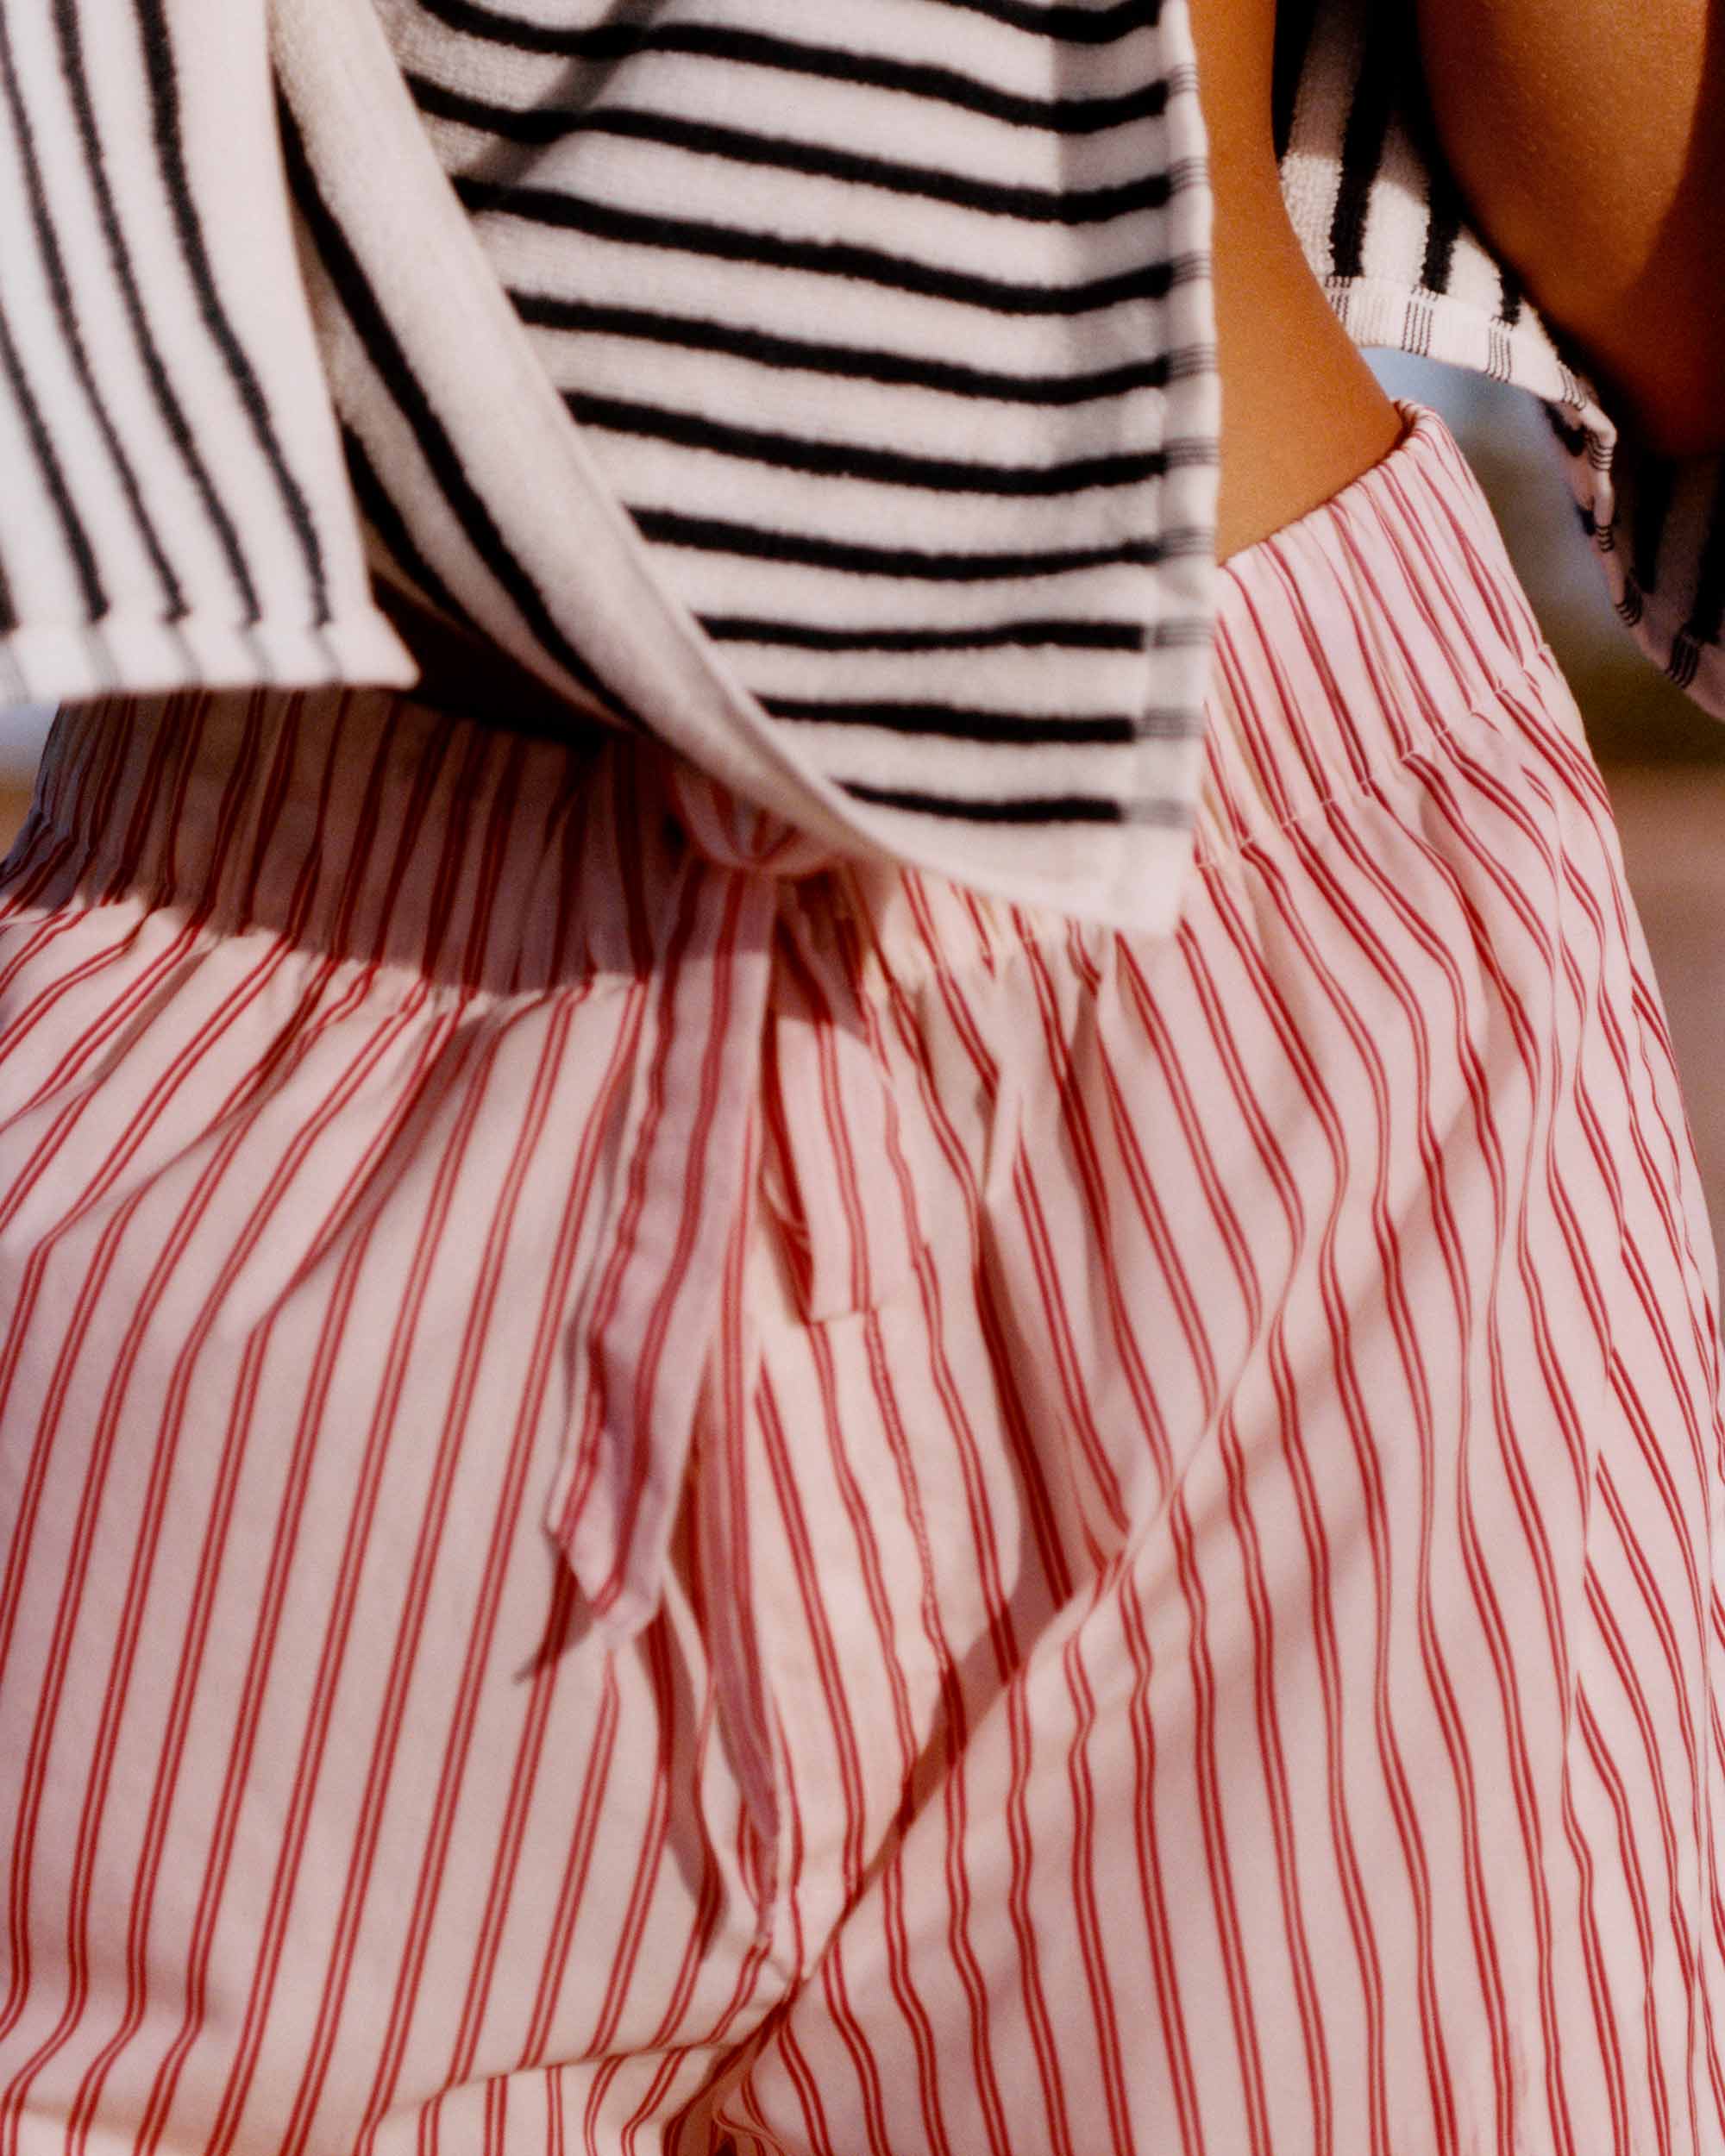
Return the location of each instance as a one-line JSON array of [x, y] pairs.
[[1069, 25], [716, 535], [954, 721], [606, 43], [741, 146], [871, 266], [1068, 635], [850, 362], [1064, 25], [1160, 814], [1045, 808], [863, 460]]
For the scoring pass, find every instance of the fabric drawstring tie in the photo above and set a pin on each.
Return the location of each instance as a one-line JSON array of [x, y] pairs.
[[650, 1305]]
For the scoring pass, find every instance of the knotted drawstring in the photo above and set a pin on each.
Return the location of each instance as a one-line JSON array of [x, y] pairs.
[[650, 1310]]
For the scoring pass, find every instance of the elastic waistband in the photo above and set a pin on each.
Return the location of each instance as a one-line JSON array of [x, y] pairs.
[[1356, 635]]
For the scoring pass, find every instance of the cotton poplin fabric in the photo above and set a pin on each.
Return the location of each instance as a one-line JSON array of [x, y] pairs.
[[661, 1494]]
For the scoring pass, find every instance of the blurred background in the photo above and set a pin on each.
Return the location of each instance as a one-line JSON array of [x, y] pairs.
[[1663, 759]]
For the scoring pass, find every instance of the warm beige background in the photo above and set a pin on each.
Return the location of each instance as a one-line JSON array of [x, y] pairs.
[[1664, 761]]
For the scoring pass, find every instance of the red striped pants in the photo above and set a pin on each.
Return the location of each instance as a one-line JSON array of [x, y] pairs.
[[659, 1496]]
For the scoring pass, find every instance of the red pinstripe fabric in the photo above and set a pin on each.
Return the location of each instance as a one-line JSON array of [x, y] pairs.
[[1147, 1508]]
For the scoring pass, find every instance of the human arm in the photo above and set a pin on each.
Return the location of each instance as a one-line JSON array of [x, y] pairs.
[[1590, 142]]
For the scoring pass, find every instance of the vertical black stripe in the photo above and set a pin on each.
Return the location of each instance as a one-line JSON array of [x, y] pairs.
[[1294, 21], [1446, 212], [395, 370], [65, 315], [76, 539], [1706, 622], [1514, 299], [164, 88], [380, 512], [1443, 226], [69, 29], [1363, 137]]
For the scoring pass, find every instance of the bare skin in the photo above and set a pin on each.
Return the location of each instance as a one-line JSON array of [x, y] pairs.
[[1301, 412], [1589, 139]]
